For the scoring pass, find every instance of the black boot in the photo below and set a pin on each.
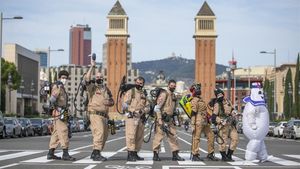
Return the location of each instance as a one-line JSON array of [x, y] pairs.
[[224, 156], [98, 156], [211, 157], [176, 157], [93, 154], [51, 156], [137, 156], [155, 156], [131, 156], [66, 156], [196, 157], [229, 154]]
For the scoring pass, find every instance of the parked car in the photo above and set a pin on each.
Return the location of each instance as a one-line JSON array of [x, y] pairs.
[[278, 129], [271, 128], [2, 126], [27, 127], [40, 126], [239, 127], [292, 129], [12, 127]]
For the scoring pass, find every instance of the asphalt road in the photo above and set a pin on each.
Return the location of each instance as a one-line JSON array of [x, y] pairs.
[[30, 153]]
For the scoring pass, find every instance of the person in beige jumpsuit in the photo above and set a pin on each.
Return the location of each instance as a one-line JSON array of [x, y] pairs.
[[200, 123], [59, 134], [136, 106], [164, 109], [225, 119], [100, 99]]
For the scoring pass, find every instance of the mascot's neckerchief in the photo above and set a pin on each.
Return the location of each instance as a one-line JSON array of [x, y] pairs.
[[254, 103]]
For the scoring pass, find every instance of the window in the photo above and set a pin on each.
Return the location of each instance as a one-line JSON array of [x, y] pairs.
[[205, 24], [116, 24]]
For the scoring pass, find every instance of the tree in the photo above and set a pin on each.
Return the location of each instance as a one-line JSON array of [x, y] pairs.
[[6, 68], [297, 94], [268, 87], [288, 99]]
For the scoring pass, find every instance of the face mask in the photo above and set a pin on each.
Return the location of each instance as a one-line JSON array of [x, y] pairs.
[[220, 99], [99, 81], [63, 81], [138, 87], [172, 89]]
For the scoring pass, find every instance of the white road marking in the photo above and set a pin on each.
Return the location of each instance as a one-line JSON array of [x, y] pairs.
[[188, 161], [237, 161], [83, 147], [147, 159], [10, 165], [43, 159], [292, 155], [16, 155], [191, 144], [90, 167], [283, 161], [88, 160], [197, 167]]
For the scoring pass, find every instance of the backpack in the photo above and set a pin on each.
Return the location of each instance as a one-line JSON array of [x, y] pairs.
[[185, 103], [154, 95]]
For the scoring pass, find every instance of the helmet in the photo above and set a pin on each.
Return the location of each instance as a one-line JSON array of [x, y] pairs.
[[218, 91], [196, 89]]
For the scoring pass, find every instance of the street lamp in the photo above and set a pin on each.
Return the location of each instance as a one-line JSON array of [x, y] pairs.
[[9, 83], [53, 50], [290, 92], [32, 90], [1, 20], [273, 53]]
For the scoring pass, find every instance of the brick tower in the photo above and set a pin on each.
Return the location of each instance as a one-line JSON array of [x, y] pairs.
[[116, 50], [205, 51]]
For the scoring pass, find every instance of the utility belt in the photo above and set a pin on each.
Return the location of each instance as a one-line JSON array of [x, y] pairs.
[[167, 118], [103, 114]]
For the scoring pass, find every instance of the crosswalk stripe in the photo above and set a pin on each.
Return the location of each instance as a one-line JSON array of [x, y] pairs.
[[188, 161], [16, 155], [88, 160], [43, 159], [147, 159], [10, 165], [283, 161], [237, 161], [293, 156], [2, 151]]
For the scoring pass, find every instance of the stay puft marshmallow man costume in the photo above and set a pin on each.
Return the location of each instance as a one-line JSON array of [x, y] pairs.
[[256, 124]]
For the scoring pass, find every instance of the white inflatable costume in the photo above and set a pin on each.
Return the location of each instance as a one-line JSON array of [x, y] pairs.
[[256, 124]]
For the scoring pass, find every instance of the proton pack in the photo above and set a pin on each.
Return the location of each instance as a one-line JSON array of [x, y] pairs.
[[154, 96], [45, 93]]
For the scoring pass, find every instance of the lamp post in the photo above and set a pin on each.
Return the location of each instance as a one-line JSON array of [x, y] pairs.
[[1, 21], [9, 83], [273, 53], [32, 90], [53, 50], [290, 92]]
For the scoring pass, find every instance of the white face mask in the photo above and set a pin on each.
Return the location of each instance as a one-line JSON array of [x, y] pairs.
[[63, 81]]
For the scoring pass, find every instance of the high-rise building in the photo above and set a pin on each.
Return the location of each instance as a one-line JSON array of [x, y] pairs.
[[80, 45], [44, 58], [205, 50], [116, 47]]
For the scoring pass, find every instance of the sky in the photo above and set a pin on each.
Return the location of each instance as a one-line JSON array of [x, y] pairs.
[[159, 28]]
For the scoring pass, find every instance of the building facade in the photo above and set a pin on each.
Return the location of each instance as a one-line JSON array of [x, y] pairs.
[[23, 101], [205, 50], [80, 45]]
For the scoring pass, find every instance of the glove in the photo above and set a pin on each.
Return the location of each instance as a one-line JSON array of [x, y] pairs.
[[125, 106], [156, 108]]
